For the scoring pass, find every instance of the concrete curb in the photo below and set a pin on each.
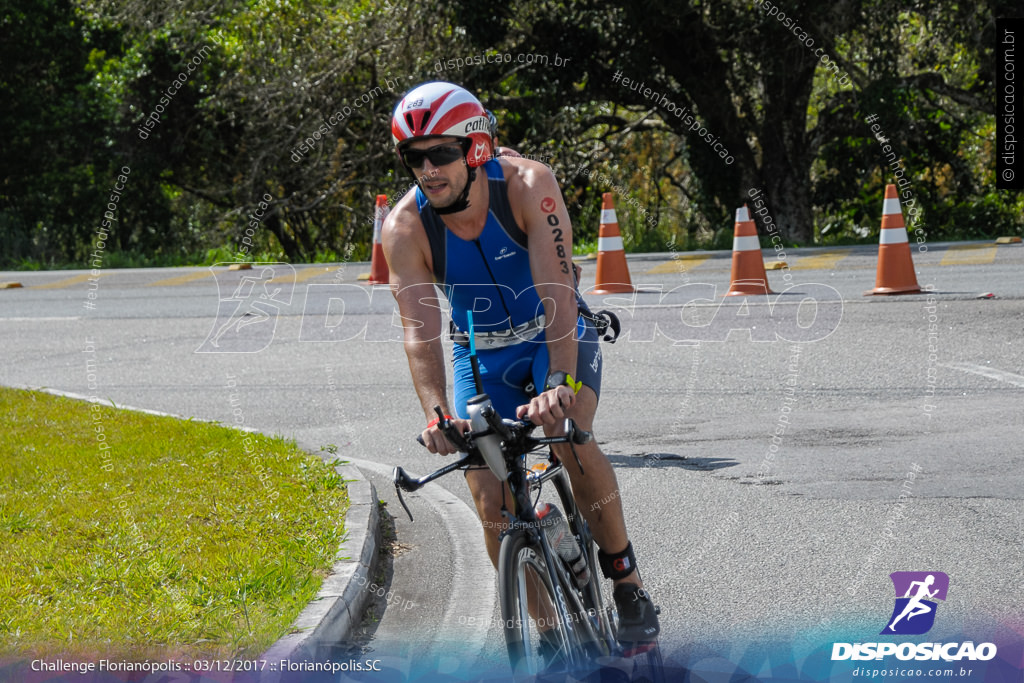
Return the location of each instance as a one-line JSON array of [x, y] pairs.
[[338, 607]]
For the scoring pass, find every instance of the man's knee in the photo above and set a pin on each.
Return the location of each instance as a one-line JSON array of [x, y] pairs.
[[487, 494], [583, 410]]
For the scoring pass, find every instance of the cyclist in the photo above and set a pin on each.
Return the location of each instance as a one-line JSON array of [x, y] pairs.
[[495, 235]]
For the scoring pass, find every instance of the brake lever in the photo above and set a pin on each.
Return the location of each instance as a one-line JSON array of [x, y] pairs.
[[399, 474], [576, 436], [403, 482]]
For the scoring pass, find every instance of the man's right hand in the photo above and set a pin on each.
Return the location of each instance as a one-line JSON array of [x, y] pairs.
[[435, 441]]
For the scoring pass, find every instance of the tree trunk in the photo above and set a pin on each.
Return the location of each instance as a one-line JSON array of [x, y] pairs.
[[291, 249], [784, 140], [787, 196]]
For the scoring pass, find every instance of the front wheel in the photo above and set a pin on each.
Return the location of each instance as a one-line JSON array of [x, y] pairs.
[[648, 666], [537, 637]]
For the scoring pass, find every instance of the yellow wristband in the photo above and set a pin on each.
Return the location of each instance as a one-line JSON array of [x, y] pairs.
[[565, 380]]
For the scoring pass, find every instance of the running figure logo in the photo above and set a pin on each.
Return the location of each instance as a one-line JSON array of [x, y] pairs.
[[914, 612], [247, 318]]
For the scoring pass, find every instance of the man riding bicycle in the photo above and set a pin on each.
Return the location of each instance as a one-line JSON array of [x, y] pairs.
[[495, 235]]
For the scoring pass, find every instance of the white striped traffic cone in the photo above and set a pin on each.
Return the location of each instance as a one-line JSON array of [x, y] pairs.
[[895, 274], [612, 271], [379, 274], [748, 276]]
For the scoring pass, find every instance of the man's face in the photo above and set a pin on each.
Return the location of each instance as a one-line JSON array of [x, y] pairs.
[[441, 183]]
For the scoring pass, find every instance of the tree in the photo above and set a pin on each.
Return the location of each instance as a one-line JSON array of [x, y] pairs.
[[748, 73], [238, 90], [684, 108], [216, 110], [289, 107], [55, 168]]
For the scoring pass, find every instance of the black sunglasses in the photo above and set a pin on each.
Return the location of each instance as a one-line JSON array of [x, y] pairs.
[[439, 155]]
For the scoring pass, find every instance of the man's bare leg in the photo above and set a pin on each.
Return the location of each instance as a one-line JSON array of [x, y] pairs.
[[596, 489]]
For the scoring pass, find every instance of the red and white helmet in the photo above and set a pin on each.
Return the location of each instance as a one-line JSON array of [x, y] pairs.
[[439, 109]]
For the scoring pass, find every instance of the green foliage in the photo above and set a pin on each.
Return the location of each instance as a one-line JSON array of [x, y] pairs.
[[795, 123], [992, 214], [50, 114], [261, 80]]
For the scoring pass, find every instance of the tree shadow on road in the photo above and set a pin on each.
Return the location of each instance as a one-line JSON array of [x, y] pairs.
[[662, 460]]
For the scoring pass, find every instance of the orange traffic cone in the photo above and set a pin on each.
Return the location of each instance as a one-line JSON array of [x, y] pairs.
[[895, 266], [748, 276], [612, 271], [379, 274]]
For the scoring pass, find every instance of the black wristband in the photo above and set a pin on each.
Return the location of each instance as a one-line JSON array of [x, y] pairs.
[[619, 565]]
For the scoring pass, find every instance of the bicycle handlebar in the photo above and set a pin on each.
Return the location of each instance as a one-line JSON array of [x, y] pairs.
[[515, 441], [498, 425], [410, 484]]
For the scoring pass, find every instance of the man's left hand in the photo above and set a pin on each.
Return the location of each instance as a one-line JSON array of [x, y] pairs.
[[548, 408]]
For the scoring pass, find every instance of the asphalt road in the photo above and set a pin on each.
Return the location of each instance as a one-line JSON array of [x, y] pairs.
[[738, 541]]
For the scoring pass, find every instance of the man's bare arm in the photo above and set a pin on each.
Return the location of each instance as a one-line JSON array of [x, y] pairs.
[[419, 306], [550, 233], [546, 223]]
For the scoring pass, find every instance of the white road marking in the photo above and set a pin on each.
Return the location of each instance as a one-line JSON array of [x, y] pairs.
[[991, 373], [111, 404], [41, 319]]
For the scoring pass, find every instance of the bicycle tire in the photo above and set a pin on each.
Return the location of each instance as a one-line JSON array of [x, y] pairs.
[[648, 667], [521, 565]]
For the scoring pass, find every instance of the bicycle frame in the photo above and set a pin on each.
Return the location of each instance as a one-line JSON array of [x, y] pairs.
[[503, 445], [522, 483]]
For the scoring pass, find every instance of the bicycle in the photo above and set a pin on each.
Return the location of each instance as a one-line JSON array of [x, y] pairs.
[[544, 608]]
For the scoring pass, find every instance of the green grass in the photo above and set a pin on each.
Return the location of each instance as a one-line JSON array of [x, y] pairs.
[[130, 259], [584, 247], [209, 257], [183, 539]]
